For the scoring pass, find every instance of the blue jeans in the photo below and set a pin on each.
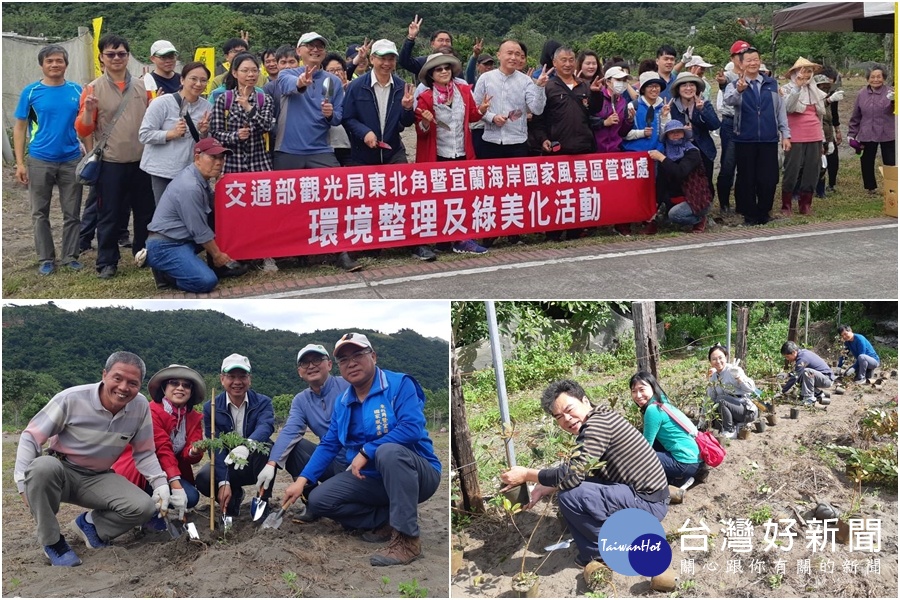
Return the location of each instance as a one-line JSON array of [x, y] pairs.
[[676, 472], [180, 261], [681, 214]]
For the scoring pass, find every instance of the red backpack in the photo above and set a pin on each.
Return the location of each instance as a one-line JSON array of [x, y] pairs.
[[711, 451]]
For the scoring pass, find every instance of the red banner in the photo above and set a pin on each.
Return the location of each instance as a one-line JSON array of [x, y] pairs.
[[318, 211]]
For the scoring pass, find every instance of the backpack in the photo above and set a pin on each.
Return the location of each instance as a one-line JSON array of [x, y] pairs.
[[229, 101], [711, 451]]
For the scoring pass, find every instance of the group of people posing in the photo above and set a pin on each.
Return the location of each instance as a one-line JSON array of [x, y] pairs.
[[131, 462], [653, 468], [302, 107]]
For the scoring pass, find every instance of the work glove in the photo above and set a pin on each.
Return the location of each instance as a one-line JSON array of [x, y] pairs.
[[836, 96], [161, 499], [890, 95], [265, 477], [688, 55], [830, 150], [241, 452], [177, 503]]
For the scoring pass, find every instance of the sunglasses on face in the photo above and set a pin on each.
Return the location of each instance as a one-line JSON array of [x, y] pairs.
[[442, 69], [112, 55], [176, 383]]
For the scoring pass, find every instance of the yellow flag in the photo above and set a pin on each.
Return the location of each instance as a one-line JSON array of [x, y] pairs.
[[98, 26], [208, 57]]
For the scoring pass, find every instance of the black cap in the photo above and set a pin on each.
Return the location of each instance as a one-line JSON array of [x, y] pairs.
[[485, 58], [352, 50]]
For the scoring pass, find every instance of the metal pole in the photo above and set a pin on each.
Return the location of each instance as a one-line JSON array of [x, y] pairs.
[[728, 330], [806, 326], [497, 357], [839, 312]]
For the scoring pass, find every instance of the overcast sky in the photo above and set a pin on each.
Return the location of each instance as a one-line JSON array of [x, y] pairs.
[[430, 318]]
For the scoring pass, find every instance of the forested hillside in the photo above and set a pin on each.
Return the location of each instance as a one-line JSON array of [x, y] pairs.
[[632, 30], [46, 349]]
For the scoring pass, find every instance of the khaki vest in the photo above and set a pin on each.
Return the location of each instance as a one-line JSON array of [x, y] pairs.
[[123, 145]]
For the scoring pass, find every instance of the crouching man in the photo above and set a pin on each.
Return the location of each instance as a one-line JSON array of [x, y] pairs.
[[88, 427], [380, 421]]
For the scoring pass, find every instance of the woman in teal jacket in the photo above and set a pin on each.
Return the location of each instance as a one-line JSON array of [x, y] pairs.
[[676, 448]]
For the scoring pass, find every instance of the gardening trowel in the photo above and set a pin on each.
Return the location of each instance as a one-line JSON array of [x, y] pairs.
[[258, 506], [560, 546], [274, 520], [174, 530]]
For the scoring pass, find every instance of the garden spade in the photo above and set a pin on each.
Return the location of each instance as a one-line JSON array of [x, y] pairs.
[[192, 531], [274, 520], [174, 530], [258, 506], [560, 546]]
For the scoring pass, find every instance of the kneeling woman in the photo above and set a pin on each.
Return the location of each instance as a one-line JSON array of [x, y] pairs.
[[683, 178], [676, 448], [175, 391], [730, 389]]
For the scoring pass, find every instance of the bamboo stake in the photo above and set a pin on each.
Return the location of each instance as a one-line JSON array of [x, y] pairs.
[[212, 462]]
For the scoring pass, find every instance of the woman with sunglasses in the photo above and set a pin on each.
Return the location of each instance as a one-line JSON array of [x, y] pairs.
[[666, 430], [177, 427], [172, 125], [730, 389], [443, 114], [243, 115]]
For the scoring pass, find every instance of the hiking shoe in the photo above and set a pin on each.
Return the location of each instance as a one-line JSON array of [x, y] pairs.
[[163, 280], [269, 266], [424, 253], [402, 550], [345, 262], [46, 267], [88, 532], [107, 272], [468, 247], [379, 536], [125, 241], [61, 554], [74, 265]]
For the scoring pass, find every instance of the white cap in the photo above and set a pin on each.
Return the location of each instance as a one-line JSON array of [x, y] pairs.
[[312, 36], [236, 361], [697, 61], [616, 73], [354, 339], [383, 48], [317, 348], [162, 47]]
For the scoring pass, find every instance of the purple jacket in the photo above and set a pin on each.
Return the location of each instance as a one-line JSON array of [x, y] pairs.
[[873, 116], [608, 138]]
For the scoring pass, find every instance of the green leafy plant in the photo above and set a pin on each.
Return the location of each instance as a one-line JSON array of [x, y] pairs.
[[383, 585], [231, 440], [290, 578], [774, 581], [761, 515], [876, 465], [411, 589]]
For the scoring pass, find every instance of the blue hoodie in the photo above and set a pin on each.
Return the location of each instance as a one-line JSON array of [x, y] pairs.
[[302, 129]]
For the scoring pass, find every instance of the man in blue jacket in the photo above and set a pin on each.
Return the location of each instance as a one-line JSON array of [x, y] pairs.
[[251, 416], [859, 347], [810, 371], [310, 409], [377, 107], [379, 422], [759, 118]]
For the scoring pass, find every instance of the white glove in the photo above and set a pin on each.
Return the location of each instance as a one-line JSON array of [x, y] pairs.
[[736, 372], [241, 452], [161, 499], [830, 148], [836, 97], [265, 477], [178, 503], [890, 95], [688, 55]]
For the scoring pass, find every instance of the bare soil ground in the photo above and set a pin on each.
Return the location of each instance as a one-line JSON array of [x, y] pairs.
[[779, 468], [247, 562]]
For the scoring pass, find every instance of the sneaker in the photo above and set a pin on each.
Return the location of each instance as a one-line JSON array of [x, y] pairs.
[[157, 523], [345, 262], [859, 380], [46, 267], [381, 535], [125, 241], [163, 280], [729, 434], [580, 562], [140, 259], [468, 247], [424, 253], [74, 265], [107, 272], [88, 532], [61, 554], [269, 266], [623, 230]]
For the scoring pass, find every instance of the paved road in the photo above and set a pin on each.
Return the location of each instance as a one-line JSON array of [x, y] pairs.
[[856, 260]]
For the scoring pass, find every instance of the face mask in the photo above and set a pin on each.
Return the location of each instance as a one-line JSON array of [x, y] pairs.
[[619, 87]]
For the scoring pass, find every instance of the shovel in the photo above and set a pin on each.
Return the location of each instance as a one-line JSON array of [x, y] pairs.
[[258, 506]]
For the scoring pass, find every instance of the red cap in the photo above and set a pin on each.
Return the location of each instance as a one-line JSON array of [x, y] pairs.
[[739, 46], [210, 146]]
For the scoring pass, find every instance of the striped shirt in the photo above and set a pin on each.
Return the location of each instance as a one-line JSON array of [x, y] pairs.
[[89, 436], [607, 436], [516, 92]]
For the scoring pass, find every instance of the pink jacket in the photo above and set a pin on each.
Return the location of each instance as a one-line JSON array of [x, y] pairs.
[[873, 116]]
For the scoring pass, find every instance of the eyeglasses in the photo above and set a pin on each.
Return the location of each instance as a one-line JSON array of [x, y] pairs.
[[248, 71], [336, 71], [305, 364], [112, 55], [197, 80], [442, 68], [315, 45], [175, 383], [355, 357]]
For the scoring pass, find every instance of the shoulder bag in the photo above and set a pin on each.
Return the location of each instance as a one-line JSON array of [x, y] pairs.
[[711, 451], [88, 169]]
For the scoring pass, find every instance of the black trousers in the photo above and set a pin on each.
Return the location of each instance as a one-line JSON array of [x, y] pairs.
[[123, 189], [867, 160], [757, 179]]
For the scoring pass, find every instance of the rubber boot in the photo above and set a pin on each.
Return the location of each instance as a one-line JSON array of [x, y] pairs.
[[786, 198], [805, 202]]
